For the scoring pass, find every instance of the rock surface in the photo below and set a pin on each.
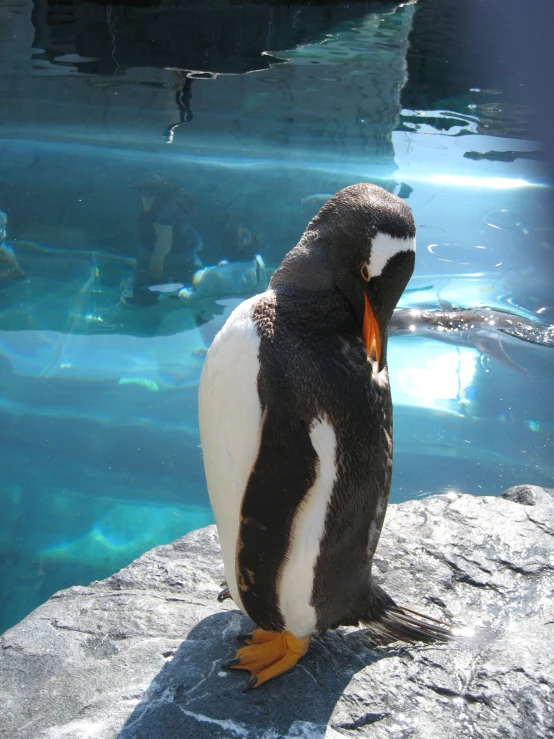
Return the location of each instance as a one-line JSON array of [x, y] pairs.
[[138, 656]]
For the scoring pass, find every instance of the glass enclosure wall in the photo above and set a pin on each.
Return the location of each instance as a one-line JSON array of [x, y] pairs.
[[157, 161]]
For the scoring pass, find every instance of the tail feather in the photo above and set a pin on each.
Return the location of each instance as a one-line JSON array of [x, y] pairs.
[[404, 624]]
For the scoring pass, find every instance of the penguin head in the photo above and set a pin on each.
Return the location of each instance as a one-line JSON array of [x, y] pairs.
[[363, 241]]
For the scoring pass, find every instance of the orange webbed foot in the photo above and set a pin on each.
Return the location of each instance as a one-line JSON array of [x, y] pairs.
[[268, 654]]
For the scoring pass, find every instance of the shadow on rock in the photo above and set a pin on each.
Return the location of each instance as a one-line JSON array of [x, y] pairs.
[[192, 696]]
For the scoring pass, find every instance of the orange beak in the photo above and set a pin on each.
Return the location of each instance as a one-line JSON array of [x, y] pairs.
[[370, 331]]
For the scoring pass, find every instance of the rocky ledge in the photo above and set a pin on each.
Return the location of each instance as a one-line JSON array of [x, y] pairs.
[[139, 655]]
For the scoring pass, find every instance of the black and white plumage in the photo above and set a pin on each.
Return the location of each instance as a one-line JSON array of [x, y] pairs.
[[296, 427]]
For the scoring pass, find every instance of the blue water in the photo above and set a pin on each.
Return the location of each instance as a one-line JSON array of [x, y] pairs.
[[99, 445]]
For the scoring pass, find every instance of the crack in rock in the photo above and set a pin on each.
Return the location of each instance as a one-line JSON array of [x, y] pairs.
[[366, 720]]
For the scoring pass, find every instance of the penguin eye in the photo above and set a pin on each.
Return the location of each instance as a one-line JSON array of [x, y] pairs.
[[365, 272]]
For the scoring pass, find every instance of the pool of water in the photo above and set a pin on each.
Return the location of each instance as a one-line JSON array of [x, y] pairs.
[[99, 445]]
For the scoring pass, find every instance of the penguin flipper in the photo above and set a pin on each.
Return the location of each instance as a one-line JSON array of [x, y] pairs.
[[493, 347]]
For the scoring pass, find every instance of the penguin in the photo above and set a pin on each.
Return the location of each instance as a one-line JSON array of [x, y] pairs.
[[486, 329], [295, 417]]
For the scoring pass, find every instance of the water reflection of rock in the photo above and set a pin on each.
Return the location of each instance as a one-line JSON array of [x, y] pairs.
[[220, 37], [96, 82], [183, 96]]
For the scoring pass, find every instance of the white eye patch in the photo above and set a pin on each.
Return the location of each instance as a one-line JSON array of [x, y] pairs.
[[383, 247]]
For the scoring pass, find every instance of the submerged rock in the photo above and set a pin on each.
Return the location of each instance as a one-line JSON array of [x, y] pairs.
[[138, 656]]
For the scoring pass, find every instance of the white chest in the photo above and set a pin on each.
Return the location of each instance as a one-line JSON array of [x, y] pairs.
[[230, 416]]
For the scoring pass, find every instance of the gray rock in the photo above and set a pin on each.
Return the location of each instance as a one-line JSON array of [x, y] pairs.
[[525, 494], [138, 656]]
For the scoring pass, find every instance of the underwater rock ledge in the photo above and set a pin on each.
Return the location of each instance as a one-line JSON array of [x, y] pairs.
[[138, 655]]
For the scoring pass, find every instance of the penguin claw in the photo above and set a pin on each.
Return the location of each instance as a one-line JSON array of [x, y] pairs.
[[252, 683], [230, 664], [225, 593], [244, 637]]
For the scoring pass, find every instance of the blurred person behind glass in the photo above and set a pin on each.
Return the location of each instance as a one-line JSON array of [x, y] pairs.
[[7, 254], [169, 243]]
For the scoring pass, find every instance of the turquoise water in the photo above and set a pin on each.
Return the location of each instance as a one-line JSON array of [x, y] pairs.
[[99, 446]]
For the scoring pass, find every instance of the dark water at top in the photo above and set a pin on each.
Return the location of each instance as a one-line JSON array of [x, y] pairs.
[[256, 113]]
